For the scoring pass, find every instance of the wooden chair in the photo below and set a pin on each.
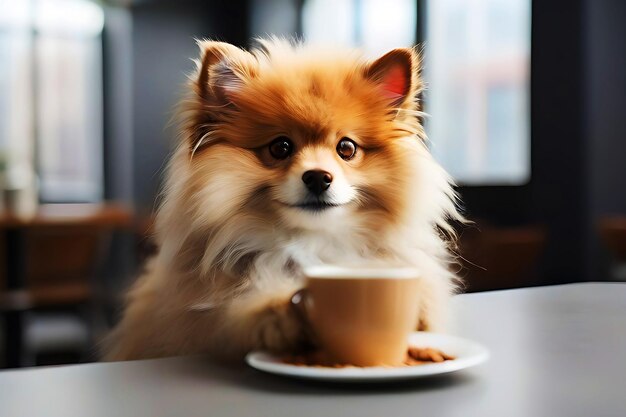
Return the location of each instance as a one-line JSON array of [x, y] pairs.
[[613, 234], [61, 250], [60, 264], [499, 258]]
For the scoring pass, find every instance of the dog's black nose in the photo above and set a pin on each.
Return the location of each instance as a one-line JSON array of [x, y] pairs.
[[317, 181]]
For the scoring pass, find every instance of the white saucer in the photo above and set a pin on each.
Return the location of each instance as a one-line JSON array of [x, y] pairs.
[[467, 354]]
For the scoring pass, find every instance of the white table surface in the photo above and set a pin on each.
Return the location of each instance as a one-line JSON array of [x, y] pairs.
[[555, 351]]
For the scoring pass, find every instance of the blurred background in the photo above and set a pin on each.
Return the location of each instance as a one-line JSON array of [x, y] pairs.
[[526, 102]]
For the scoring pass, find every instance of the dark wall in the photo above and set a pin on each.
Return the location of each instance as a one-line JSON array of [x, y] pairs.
[[118, 104], [605, 97], [163, 43]]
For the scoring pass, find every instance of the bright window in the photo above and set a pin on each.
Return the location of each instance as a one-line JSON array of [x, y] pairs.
[[51, 97], [374, 25], [477, 67]]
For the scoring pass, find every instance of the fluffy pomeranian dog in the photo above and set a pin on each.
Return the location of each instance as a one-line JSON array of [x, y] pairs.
[[289, 156]]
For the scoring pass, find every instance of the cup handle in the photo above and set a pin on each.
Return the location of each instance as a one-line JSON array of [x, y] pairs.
[[298, 306]]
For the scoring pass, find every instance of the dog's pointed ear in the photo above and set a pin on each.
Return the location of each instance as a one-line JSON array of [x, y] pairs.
[[397, 74], [222, 70]]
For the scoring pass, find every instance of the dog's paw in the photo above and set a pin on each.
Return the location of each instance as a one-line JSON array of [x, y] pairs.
[[279, 329]]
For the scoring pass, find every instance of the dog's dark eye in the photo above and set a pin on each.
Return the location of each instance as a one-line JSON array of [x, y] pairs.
[[281, 147], [346, 148]]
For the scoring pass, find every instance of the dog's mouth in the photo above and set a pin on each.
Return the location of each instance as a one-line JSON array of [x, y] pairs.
[[314, 206], [317, 206]]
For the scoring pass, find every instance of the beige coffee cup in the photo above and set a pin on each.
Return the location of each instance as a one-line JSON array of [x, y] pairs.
[[361, 316]]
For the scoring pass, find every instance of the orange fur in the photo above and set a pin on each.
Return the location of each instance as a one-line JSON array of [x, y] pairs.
[[231, 242]]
